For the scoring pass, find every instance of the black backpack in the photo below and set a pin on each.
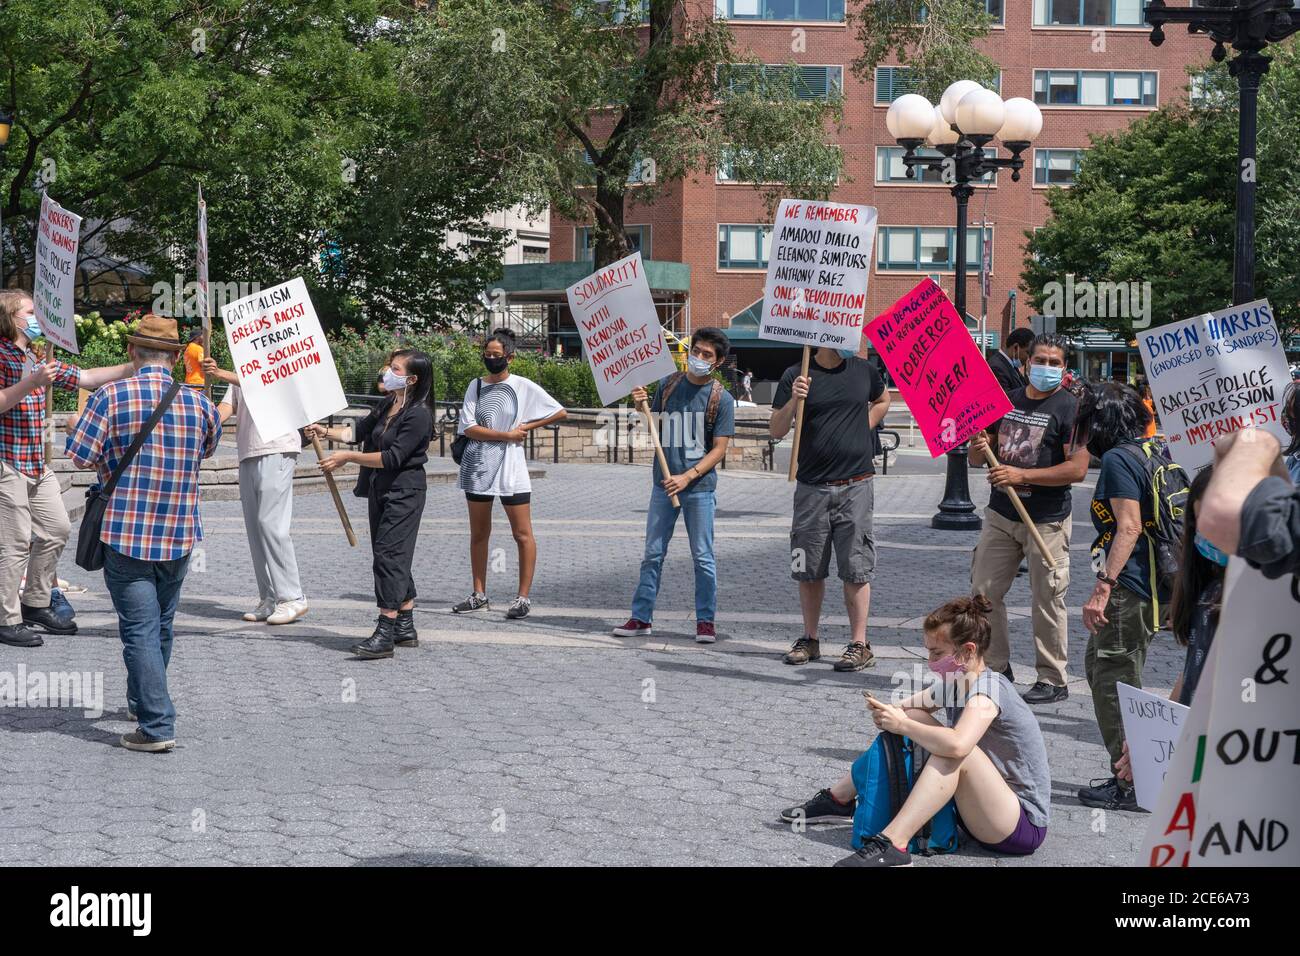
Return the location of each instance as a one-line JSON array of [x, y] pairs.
[[1163, 530]]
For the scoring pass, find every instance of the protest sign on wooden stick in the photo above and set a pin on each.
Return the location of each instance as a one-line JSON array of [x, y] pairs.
[[644, 409], [798, 417], [334, 493]]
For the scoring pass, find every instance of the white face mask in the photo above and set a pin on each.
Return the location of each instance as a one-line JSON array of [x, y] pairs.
[[394, 382], [698, 366]]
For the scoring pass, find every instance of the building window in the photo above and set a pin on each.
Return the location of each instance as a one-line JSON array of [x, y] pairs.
[[992, 7], [890, 168], [744, 247], [536, 254], [641, 172], [1056, 167], [1100, 88], [926, 248], [1089, 13], [807, 82], [621, 11], [893, 81], [823, 11], [638, 238]]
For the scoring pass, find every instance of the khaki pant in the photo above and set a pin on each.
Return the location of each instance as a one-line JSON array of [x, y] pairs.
[[34, 528], [1002, 545], [1117, 652]]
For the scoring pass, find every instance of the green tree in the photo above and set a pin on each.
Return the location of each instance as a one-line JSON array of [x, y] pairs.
[[934, 39], [289, 113], [570, 103], [1157, 203]]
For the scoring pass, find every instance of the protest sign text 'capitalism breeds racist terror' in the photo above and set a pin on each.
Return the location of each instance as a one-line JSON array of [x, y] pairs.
[[285, 368]]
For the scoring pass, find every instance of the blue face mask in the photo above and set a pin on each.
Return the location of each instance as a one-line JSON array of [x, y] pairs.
[[847, 353], [1209, 552], [33, 328], [1045, 378]]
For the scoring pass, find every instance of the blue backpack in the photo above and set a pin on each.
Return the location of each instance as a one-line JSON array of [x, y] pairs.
[[883, 777]]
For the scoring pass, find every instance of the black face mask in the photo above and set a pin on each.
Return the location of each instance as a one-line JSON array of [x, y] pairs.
[[495, 364]]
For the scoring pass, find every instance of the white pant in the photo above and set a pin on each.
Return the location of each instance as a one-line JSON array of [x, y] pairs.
[[266, 491], [34, 527]]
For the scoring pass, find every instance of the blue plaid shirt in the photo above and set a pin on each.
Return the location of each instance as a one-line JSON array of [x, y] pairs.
[[154, 512]]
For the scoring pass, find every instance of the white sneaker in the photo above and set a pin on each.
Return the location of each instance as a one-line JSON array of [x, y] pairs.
[[261, 612], [287, 612]]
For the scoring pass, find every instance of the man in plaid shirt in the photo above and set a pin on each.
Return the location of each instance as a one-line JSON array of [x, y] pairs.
[[152, 520], [34, 524]]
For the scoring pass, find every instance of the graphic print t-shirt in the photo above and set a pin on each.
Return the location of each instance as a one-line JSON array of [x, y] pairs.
[[495, 467], [1036, 433]]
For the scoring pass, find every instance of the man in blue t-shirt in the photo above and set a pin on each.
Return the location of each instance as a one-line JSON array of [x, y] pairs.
[[696, 421]]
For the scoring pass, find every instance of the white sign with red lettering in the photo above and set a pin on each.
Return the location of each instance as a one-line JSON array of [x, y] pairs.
[[817, 271], [54, 291], [621, 335], [285, 368]]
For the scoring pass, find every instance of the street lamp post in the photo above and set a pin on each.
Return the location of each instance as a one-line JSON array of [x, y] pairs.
[[966, 120], [1249, 26]]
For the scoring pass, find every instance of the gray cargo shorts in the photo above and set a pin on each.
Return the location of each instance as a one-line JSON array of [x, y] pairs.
[[838, 516]]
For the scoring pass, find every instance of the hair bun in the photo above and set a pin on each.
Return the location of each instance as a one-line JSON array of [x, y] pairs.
[[979, 604]]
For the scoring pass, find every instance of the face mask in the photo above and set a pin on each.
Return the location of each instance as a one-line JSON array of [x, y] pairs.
[[847, 354], [1045, 378], [394, 382], [698, 367], [947, 665], [33, 328], [495, 363], [1016, 363], [1209, 552]]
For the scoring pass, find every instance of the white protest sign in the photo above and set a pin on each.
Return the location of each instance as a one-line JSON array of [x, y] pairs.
[[1215, 374], [1229, 796], [286, 372], [621, 336], [201, 264], [54, 290], [1151, 726], [816, 288]]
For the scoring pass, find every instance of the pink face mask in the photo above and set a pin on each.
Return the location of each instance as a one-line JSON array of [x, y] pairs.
[[947, 665]]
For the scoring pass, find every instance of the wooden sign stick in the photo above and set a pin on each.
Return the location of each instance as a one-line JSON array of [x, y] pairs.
[[334, 490], [1024, 516], [49, 411], [798, 416], [644, 409]]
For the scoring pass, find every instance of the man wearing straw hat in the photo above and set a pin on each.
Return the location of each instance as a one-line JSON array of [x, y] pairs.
[[152, 518]]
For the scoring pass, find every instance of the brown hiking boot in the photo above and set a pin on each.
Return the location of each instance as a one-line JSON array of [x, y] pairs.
[[855, 657], [805, 649]]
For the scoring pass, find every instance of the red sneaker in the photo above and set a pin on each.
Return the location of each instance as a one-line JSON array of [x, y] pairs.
[[704, 633], [633, 628]]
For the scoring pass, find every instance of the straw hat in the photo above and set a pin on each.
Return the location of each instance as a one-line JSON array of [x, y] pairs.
[[156, 332]]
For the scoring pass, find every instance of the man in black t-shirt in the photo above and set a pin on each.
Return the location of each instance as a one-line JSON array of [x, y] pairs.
[[845, 398], [1039, 458]]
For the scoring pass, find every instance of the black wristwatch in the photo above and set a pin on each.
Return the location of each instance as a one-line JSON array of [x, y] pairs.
[[1101, 576]]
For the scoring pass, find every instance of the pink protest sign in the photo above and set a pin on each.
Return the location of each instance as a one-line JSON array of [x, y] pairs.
[[944, 379]]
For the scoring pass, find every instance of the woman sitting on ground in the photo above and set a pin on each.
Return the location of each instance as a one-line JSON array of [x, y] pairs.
[[990, 757]]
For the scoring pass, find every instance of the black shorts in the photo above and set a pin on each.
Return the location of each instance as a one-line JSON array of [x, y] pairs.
[[523, 498]]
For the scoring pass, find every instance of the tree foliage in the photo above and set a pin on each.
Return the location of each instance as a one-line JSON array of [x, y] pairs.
[[934, 39], [587, 107], [1157, 203]]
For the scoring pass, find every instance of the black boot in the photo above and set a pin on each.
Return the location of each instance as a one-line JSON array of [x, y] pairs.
[[404, 635], [380, 643]]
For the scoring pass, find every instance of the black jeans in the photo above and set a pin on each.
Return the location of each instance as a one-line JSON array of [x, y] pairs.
[[394, 523]]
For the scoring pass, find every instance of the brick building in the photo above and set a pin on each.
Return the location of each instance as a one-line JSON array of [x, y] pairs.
[[1088, 64]]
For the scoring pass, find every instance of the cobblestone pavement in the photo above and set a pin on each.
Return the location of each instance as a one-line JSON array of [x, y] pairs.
[[500, 742]]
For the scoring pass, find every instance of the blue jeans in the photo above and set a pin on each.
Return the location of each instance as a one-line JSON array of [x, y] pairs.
[[661, 519], [144, 595]]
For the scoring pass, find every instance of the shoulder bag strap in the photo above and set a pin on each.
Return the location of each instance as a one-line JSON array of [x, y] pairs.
[[140, 438]]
